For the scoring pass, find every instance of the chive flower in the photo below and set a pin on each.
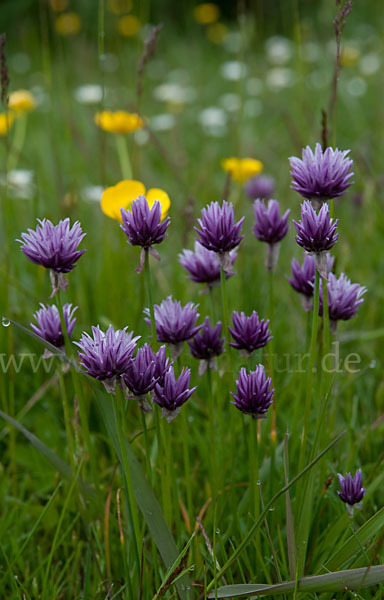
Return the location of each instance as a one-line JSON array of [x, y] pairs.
[[203, 265], [344, 299], [249, 333], [270, 228], [253, 396], [352, 491], [173, 393], [206, 345], [49, 326], [175, 323]]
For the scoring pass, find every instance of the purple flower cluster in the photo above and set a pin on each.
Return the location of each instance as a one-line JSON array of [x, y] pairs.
[[260, 186], [249, 333], [344, 298], [321, 175], [316, 232], [49, 326], [351, 491], [107, 355], [54, 247], [218, 230], [173, 393], [175, 323], [207, 344], [203, 265], [303, 278], [142, 225], [253, 396], [269, 226]]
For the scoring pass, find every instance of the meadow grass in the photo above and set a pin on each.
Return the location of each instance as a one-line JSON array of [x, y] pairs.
[[100, 500]]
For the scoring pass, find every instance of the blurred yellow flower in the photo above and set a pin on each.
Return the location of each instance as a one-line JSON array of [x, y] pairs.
[[58, 5], [118, 7], [242, 168], [6, 120], [217, 33], [119, 121], [21, 101], [129, 25], [349, 56], [125, 192], [206, 13], [68, 23]]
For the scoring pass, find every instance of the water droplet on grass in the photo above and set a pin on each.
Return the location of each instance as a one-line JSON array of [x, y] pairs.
[[5, 322]]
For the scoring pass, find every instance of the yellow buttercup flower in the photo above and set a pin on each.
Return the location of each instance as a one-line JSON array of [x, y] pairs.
[[6, 120], [129, 25], [206, 13], [21, 101], [127, 191], [68, 23], [349, 56], [242, 169], [119, 121]]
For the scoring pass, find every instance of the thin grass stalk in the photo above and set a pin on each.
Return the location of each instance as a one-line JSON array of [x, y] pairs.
[[79, 395], [147, 272], [271, 357], [119, 415], [18, 141], [67, 420], [166, 459], [311, 366], [214, 434], [123, 154], [212, 303]]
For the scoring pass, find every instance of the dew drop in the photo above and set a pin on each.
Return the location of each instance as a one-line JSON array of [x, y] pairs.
[[192, 568], [271, 509], [5, 322], [218, 531], [258, 482]]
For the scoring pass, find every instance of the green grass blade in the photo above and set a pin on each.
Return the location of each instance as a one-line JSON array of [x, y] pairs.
[[353, 579], [172, 569], [248, 538], [58, 463], [353, 545], [145, 498]]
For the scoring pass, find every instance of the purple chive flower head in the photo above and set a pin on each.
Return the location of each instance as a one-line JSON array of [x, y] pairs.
[[254, 395], [351, 491], [107, 355], [316, 233], [142, 224], [53, 246], [321, 175], [269, 226], [218, 230], [344, 298], [207, 344], [249, 333], [303, 278], [203, 265], [260, 186], [49, 326], [174, 392], [139, 376], [175, 323], [162, 364]]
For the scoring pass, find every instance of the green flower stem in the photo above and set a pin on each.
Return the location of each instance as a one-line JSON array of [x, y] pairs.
[[254, 504], [271, 361], [212, 304], [67, 421], [186, 457], [310, 371], [147, 272], [166, 457], [224, 301], [18, 141], [79, 395], [118, 409], [148, 466], [123, 154], [213, 436], [326, 327]]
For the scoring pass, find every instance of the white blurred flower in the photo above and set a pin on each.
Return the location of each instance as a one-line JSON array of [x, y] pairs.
[[92, 193], [141, 137], [357, 86], [280, 77], [163, 122], [20, 183], [233, 70], [370, 64], [231, 102], [89, 93], [254, 86], [174, 93], [279, 50], [253, 107], [213, 120]]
